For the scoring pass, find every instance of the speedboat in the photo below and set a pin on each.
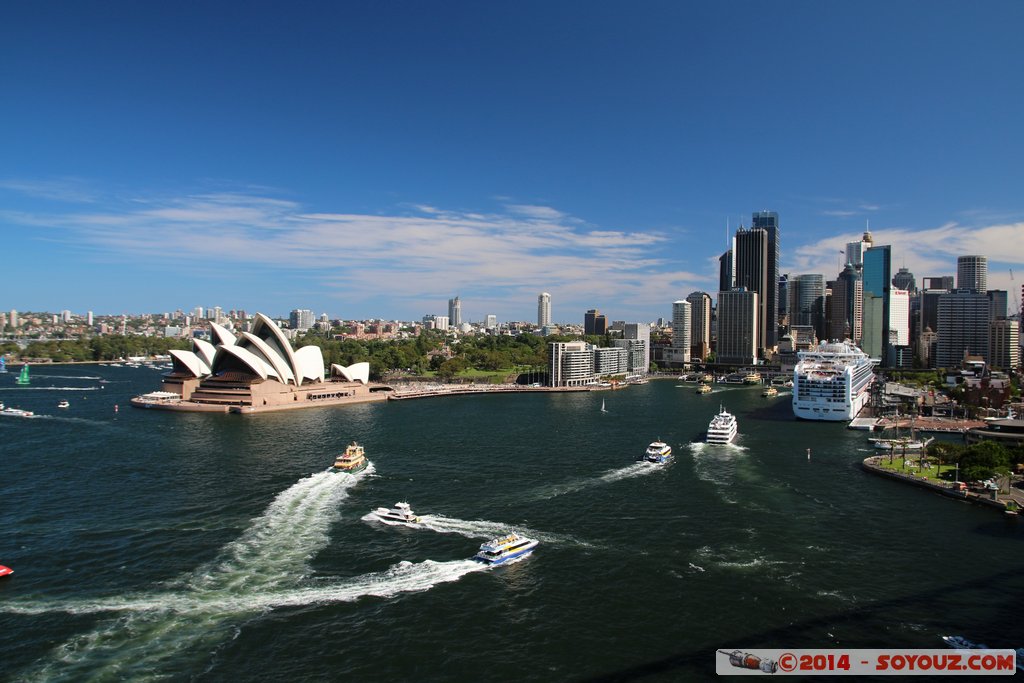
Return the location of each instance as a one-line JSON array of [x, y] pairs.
[[505, 548], [659, 451], [64, 404], [401, 513], [16, 412], [961, 643], [722, 428], [5, 571], [352, 461]]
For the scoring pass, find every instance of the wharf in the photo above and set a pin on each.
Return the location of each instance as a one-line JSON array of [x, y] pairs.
[[865, 423], [942, 425]]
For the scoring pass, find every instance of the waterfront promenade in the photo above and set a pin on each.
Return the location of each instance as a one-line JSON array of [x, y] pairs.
[[997, 500], [410, 391]]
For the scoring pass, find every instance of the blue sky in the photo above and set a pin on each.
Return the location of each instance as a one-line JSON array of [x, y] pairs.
[[370, 159]]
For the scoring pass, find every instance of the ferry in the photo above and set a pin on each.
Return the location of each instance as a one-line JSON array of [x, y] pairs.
[[659, 451], [401, 513], [770, 392], [722, 429], [505, 548], [752, 378], [832, 382], [353, 460], [704, 389]]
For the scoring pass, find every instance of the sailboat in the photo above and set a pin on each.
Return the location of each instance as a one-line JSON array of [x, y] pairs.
[[602, 406], [23, 377]]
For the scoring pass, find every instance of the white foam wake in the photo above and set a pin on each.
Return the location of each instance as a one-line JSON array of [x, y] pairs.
[[48, 388], [635, 469], [43, 376], [156, 633], [476, 528]]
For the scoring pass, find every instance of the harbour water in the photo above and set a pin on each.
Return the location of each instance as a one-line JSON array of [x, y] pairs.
[[158, 546]]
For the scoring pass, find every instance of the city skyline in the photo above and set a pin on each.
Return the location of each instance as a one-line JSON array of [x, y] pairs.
[[322, 171]]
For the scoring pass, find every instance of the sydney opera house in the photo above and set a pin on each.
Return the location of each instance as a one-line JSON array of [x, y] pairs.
[[257, 371]]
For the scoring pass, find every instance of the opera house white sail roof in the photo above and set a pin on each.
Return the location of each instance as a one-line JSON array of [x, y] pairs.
[[265, 353]]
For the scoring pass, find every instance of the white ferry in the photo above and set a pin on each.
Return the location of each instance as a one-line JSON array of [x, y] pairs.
[[831, 382], [722, 428], [401, 513], [505, 548], [15, 412], [659, 451]]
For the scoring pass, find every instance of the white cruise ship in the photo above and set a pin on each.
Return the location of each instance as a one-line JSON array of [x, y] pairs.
[[831, 382]]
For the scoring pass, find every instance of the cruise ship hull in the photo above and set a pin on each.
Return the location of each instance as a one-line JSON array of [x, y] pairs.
[[817, 411], [832, 382]]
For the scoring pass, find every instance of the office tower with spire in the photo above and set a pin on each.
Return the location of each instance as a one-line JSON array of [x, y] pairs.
[[855, 250], [543, 309], [972, 273], [726, 274]]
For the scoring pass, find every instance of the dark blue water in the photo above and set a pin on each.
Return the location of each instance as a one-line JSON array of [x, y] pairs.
[[152, 545]]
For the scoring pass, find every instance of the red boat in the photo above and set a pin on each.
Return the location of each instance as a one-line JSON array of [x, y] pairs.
[[5, 571]]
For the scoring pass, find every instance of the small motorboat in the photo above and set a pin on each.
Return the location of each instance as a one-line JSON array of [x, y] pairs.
[[5, 571], [401, 514], [64, 404]]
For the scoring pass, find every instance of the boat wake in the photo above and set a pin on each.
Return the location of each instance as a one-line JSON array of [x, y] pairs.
[[159, 634], [475, 528], [636, 469], [38, 375], [48, 388]]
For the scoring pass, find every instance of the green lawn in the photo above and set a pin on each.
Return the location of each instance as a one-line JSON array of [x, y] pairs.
[[933, 472]]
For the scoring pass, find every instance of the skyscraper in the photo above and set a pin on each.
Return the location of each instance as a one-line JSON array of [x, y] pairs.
[[543, 309], [301, 319], [737, 326], [963, 327], [769, 221], [844, 308], [904, 279], [855, 250], [750, 254], [594, 322], [700, 324], [972, 273], [877, 283], [640, 332], [1004, 344], [726, 273], [942, 282], [681, 334], [807, 302], [1000, 302], [455, 312]]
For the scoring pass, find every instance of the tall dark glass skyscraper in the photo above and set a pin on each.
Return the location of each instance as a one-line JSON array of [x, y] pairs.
[[877, 278], [750, 256], [769, 221]]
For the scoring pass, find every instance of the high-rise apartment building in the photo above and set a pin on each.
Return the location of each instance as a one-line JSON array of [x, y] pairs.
[[681, 331], [640, 332], [637, 361], [972, 273], [441, 322], [14, 318], [700, 324], [88, 318], [543, 310], [490, 322], [570, 363], [455, 312], [737, 326], [769, 221], [1004, 344], [963, 327], [300, 319], [750, 254]]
